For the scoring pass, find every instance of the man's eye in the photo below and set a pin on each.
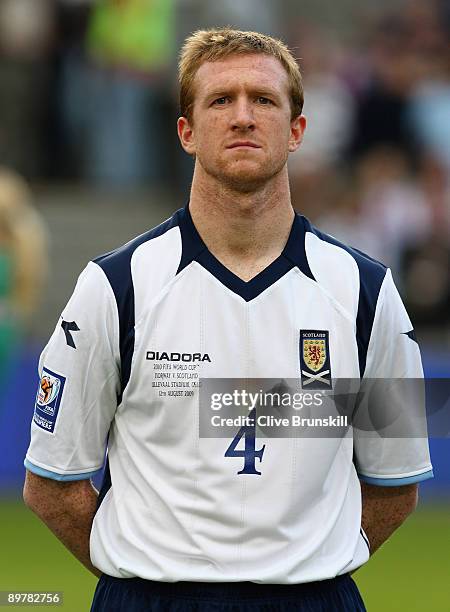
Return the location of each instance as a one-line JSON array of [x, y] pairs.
[[221, 101], [263, 100]]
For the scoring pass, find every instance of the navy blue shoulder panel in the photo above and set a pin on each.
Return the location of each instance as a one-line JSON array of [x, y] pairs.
[[117, 267], [371, 277]]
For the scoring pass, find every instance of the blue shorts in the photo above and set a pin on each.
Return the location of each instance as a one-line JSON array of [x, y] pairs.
[[136, 595]]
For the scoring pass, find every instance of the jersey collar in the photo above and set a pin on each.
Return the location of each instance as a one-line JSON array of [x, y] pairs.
[[293, 255]]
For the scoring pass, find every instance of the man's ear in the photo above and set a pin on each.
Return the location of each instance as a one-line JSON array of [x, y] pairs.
[[186, 135], [298, 127]]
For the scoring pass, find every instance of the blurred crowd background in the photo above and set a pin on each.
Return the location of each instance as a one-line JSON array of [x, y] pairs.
[[89, 155], [89, 158]]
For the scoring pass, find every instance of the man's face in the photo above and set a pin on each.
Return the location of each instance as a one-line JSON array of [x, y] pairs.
[[241, 130]]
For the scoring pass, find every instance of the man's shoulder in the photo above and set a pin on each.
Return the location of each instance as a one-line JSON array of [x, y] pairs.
[[142, 259], [325, 247]]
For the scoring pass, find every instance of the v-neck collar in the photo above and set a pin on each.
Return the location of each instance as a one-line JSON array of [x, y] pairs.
[[194, 249]]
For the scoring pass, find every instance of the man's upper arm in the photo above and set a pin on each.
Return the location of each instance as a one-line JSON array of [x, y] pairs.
[[391, 447], [79, 385]]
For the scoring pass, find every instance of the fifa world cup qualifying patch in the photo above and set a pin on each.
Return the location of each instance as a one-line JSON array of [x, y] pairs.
[[315, 363], [48, 399]]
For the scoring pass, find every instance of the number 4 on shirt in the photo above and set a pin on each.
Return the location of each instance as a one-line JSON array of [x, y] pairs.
[[249, 453]]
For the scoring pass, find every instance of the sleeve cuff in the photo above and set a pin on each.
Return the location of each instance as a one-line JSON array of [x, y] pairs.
[[396, 482], [55, 476]]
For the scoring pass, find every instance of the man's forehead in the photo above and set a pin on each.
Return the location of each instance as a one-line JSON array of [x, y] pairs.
[[258, 68]]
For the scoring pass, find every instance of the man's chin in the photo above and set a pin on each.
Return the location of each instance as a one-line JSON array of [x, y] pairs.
[[245, 180], [243, 176]]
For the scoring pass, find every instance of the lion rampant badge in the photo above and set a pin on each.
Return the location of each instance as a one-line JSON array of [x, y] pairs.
[[314, 353]]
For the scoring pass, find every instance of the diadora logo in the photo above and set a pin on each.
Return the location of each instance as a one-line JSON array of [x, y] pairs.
[[157, 356], [68, 327]]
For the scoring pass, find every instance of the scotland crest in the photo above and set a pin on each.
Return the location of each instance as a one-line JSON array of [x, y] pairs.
[[315, 365]]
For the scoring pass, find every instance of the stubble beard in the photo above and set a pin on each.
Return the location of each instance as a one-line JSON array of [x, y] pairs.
[[234, 178]]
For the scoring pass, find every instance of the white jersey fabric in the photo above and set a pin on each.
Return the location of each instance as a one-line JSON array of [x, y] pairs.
[[174, 506]]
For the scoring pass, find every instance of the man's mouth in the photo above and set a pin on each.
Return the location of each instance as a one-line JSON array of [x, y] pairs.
[[243, 144]]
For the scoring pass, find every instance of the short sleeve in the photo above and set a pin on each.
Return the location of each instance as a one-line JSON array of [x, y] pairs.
[[79, 371], [391, 448]]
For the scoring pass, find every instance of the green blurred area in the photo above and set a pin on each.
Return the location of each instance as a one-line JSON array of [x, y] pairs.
[[32, 559], [411, 571]]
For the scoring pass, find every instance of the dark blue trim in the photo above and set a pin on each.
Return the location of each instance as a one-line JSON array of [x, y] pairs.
[[106, 484], [117, 267], [56, 476], [194, 249], [192, 244], [365, 539], [411, 335], [371, 276], [295, 249], [394, 481]]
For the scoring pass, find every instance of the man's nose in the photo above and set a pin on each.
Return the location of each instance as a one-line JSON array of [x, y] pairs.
[[243, 117]]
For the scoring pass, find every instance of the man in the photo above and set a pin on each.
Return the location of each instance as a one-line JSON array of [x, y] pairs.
[[235, 285]]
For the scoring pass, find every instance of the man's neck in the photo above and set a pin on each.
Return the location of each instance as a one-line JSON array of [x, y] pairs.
[[245, 231]]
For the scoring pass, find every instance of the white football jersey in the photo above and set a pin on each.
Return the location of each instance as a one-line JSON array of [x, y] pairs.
[[123, 369]]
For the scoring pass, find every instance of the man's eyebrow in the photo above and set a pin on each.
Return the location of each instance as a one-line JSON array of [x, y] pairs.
[[226, 91], [271, 93], [218, 93]]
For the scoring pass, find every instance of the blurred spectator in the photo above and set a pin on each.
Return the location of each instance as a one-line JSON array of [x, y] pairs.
[[23, 262], [429, 111], [427, 283], [409, 50], [384, 211], [26, 36], [67, 131], [380, 106], [315, 190], [131, 44], [426, 262], [328, 108]]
